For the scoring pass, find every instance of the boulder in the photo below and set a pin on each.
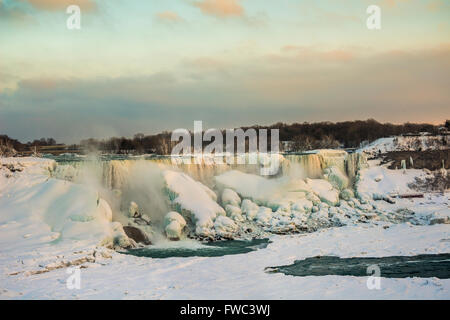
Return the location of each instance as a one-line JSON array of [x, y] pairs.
[[137, 235]]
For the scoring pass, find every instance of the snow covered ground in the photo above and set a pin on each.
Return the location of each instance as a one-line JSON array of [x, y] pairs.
[[406, 143], [243, 276], [49, 225]]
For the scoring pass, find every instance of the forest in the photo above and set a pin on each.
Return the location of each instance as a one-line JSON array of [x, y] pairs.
[[303, 136]]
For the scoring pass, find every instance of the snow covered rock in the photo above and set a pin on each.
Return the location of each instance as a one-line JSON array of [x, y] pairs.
[[225, 227], [118, 239], [234, 212], [263, 216], [249, 208], [440, 217], [303, 205], [384, 197], [320, 216], [194, 199], [230, 197], [173, 225], [324, 191]]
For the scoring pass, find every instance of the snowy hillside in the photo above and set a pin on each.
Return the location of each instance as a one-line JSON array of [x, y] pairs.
[[406, 143]]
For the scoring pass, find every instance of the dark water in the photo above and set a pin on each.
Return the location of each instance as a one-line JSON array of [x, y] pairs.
[[212, 249], [423, 266]]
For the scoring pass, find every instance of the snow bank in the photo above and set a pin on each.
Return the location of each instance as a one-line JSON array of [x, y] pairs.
[[42, 218], [382, 181]]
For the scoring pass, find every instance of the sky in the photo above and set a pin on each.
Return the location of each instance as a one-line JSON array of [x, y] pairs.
[[153, 65]]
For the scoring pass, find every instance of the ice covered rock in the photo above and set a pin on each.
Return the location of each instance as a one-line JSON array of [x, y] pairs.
[[118, 239], [234, 212], [385, 197], [284, 209], [324, 191], [303, 205], [225, 227], [249, 208], [173, 225], [263, 216], [174, 216], [173, 230], [320, 216], [230, 197], [441, 217], [194, 199]]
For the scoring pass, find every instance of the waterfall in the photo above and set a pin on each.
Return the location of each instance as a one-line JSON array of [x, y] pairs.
[[114, 173]]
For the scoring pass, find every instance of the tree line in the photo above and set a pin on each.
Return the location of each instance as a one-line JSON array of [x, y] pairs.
[[302, 136]]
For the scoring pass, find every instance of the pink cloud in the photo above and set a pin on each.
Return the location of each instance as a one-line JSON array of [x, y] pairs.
[[220, 8]]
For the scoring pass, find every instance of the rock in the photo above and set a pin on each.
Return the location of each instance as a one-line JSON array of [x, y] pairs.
[[146, 219], [143, 221], [137, 235]]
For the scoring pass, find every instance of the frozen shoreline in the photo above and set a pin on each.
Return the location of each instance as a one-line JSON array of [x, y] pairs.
[[28, 246], [243, 277]]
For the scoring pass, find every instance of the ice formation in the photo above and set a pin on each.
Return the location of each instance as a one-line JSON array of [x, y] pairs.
[[319, 189]]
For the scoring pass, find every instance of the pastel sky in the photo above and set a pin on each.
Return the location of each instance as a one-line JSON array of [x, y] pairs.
[[153, 65]]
